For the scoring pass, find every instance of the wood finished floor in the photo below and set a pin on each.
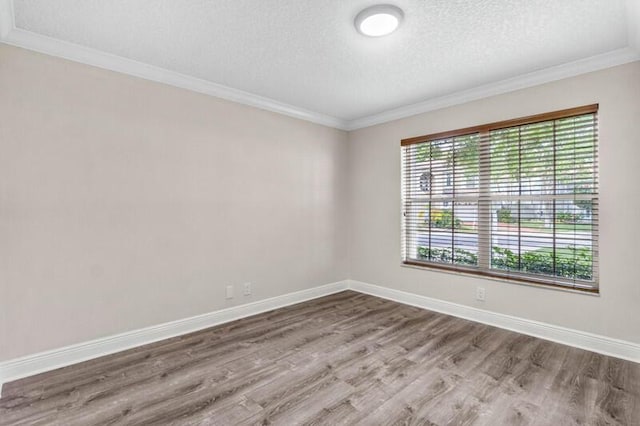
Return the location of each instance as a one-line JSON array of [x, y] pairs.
[[346, 359]]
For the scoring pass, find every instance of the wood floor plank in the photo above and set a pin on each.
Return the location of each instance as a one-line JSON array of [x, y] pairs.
[[343, 359]]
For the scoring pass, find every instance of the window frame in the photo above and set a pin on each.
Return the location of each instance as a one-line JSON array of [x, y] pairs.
[[484, 193]]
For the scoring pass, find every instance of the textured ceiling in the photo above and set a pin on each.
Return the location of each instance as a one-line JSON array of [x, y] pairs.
[[307, 53]]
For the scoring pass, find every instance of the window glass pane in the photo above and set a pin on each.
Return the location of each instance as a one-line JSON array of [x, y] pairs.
[[436, 244], [442, 167], [575, 155], [504, 161], [536, 159], [536, 236], [574, 257], [466, 175], [465, 233], [504, 236], [416, 224], [417, 165]]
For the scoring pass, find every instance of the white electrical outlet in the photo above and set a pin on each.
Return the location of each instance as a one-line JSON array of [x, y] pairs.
[[247, 289], [229, 292], [480, 294]]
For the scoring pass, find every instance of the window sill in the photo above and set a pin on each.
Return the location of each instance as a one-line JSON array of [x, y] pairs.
[[491, 277]]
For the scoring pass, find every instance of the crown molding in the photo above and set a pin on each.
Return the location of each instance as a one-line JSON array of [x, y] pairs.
[[547, 75], [32, 41], [74, 52]]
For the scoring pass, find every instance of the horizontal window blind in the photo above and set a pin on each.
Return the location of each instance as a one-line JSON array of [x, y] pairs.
[[516, 199]]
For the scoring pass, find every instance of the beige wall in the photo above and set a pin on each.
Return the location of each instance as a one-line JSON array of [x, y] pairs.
[[374, 164], [125, 203]]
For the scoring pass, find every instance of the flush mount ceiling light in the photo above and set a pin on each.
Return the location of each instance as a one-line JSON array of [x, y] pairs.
[[379, 20]]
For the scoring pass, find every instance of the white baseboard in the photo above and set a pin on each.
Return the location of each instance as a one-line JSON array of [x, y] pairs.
[[566, 336], [50, 360], [57, 358]]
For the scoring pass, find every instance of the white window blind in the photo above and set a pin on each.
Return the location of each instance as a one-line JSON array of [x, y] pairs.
[[516, 199]]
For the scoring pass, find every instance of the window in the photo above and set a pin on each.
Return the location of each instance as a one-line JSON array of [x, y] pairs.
[[516, 199]]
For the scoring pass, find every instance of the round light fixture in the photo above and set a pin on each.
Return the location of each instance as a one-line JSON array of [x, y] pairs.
[[379, 20]]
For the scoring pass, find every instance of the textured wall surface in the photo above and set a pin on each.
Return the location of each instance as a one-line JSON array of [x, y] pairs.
[[374, 165], [126, 203]]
